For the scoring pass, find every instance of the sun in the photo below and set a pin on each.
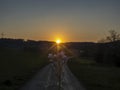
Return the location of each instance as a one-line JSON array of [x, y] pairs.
[[58, 41]]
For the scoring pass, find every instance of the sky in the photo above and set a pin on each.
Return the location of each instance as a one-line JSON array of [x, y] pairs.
[[70, 20]]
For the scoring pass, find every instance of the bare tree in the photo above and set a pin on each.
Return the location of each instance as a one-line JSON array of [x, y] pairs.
[[113, 36], [2, 35]]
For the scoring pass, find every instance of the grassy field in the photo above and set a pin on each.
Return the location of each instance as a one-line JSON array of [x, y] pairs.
[[16, 68], [95, 77]]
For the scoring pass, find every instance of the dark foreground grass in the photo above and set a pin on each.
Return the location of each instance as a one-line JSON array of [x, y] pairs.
[[94, 77], [18, 67]]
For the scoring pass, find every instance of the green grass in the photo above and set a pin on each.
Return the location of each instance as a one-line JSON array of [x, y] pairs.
[[94, 77], [18, 67]]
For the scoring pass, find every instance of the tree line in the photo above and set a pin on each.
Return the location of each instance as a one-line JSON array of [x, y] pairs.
[[106, 51]]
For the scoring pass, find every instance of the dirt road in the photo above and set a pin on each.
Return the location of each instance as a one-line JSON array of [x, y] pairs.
[[46, 80]]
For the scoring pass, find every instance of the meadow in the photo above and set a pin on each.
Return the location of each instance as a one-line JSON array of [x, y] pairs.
[[18, 67], [94, 76]]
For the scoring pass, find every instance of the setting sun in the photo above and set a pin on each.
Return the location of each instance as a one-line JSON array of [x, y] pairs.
[[58, 41]]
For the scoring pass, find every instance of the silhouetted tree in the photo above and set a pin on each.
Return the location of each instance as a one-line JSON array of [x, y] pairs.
[[109, 49], [112, 37]]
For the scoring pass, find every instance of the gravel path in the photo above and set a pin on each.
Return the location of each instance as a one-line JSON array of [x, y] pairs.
[[46, 80]]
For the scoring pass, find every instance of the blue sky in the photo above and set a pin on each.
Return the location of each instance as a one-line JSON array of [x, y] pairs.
[[71, 20]]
